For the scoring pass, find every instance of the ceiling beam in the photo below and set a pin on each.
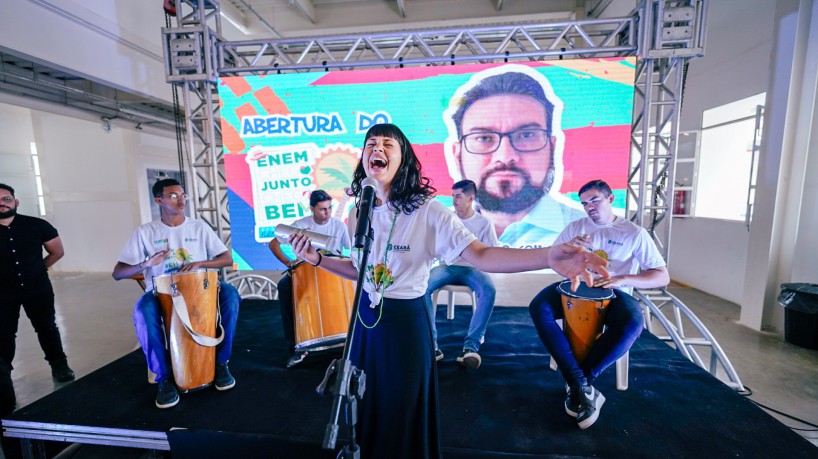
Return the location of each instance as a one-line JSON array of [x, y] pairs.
[[229, 12], [306, 8], [600, 6]]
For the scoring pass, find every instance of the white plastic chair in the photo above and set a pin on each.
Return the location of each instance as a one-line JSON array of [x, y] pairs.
[[452, 289]]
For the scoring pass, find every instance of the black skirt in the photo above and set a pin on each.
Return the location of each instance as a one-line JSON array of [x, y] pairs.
[[398, 415]]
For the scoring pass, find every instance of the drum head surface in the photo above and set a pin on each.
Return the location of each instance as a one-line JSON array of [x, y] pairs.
[[585, 292]]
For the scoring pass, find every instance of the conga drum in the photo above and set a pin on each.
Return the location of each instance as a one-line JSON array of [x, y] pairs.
[[322, 304], [190, 308], [584, 316]]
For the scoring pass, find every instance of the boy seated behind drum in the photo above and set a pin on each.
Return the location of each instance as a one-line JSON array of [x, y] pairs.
[[321, 221], [174, 243], [627, 248], [462, 273]]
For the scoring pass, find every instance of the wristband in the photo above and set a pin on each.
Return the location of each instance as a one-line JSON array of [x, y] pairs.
[[320, 259]]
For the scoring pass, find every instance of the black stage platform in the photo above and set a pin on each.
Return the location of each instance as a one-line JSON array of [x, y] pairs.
[[510, 407]]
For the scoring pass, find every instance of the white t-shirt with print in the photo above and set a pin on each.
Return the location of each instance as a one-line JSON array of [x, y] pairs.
[[481, 227], [333, 227], [627, 247], [432, 231], [191, 241]]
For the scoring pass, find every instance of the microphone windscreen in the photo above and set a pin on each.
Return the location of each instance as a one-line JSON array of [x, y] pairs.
[[369, 182]]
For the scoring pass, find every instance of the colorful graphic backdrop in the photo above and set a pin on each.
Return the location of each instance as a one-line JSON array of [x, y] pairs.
[[287, 135]]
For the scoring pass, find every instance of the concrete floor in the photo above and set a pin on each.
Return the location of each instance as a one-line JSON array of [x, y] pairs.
[[94, 315]]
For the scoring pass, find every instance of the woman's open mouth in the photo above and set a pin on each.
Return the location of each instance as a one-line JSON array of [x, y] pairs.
[[377, 163]]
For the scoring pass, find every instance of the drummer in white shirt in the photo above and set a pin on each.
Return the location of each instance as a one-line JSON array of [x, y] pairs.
[[169, 244], [633, 261], [320, 222]]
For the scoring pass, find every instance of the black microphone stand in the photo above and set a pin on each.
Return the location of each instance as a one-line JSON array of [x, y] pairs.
[[349, 382]]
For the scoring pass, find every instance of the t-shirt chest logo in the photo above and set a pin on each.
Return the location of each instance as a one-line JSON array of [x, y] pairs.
[[612, 242], [398, 248]]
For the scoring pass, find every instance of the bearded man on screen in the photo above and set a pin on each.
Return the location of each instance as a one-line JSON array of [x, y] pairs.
[[505, 135]]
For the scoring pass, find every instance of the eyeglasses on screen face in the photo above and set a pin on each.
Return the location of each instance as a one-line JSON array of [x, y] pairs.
[[7, 199], [522, 140]]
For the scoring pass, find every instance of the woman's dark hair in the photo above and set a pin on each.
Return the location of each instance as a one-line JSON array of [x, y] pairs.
[[410, 189]]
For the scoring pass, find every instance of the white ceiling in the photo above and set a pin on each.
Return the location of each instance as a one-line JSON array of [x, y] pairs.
[[20, 76], [302, 18]]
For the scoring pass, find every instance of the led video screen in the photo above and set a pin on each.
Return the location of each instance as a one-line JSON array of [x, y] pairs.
[[552, 126]]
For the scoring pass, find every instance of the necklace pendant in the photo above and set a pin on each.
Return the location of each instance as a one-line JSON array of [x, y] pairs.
[[375, 298]]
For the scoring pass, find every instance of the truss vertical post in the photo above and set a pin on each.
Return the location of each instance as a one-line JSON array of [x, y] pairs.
[[190, 64], [671, 33], [654, 141]]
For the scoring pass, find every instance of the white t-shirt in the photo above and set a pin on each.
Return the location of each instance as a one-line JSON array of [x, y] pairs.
[[430, 232], [191, 241], [333, 227], [627, 247], [481, 227]]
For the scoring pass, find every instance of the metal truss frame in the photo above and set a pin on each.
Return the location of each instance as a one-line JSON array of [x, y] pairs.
[[664, 34], [597, 37]]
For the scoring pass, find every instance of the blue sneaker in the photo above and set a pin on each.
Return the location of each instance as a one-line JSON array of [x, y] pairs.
[[167, 395], [573, 400], [469, 359], [224, 380], [591, 404], [296, 358]]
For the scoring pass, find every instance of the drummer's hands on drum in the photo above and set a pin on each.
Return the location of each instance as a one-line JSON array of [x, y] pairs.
[[577, 264], [611, 282], [303, 249], [190, 266]]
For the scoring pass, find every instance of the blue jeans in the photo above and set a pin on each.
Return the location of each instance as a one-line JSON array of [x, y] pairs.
[[623, 323], [482, 285], [147, 319]]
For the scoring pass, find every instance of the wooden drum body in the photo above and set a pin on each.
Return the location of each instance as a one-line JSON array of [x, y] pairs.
[[193, 364], [584, 312], [322, 304]]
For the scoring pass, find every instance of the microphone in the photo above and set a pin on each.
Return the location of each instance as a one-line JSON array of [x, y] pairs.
[[368, 186]]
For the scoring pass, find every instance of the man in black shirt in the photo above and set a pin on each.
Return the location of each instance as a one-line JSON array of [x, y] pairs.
[[24, 282]]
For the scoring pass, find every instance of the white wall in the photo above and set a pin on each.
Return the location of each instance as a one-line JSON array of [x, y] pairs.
[[103, 40], [785, 211], [94, 182], [710, 254], [758, 46]]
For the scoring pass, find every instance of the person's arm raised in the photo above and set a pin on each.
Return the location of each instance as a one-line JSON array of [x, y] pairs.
[[568, 260]]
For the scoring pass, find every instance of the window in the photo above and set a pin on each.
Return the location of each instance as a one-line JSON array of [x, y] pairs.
[[728, 156], [35, 162]]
